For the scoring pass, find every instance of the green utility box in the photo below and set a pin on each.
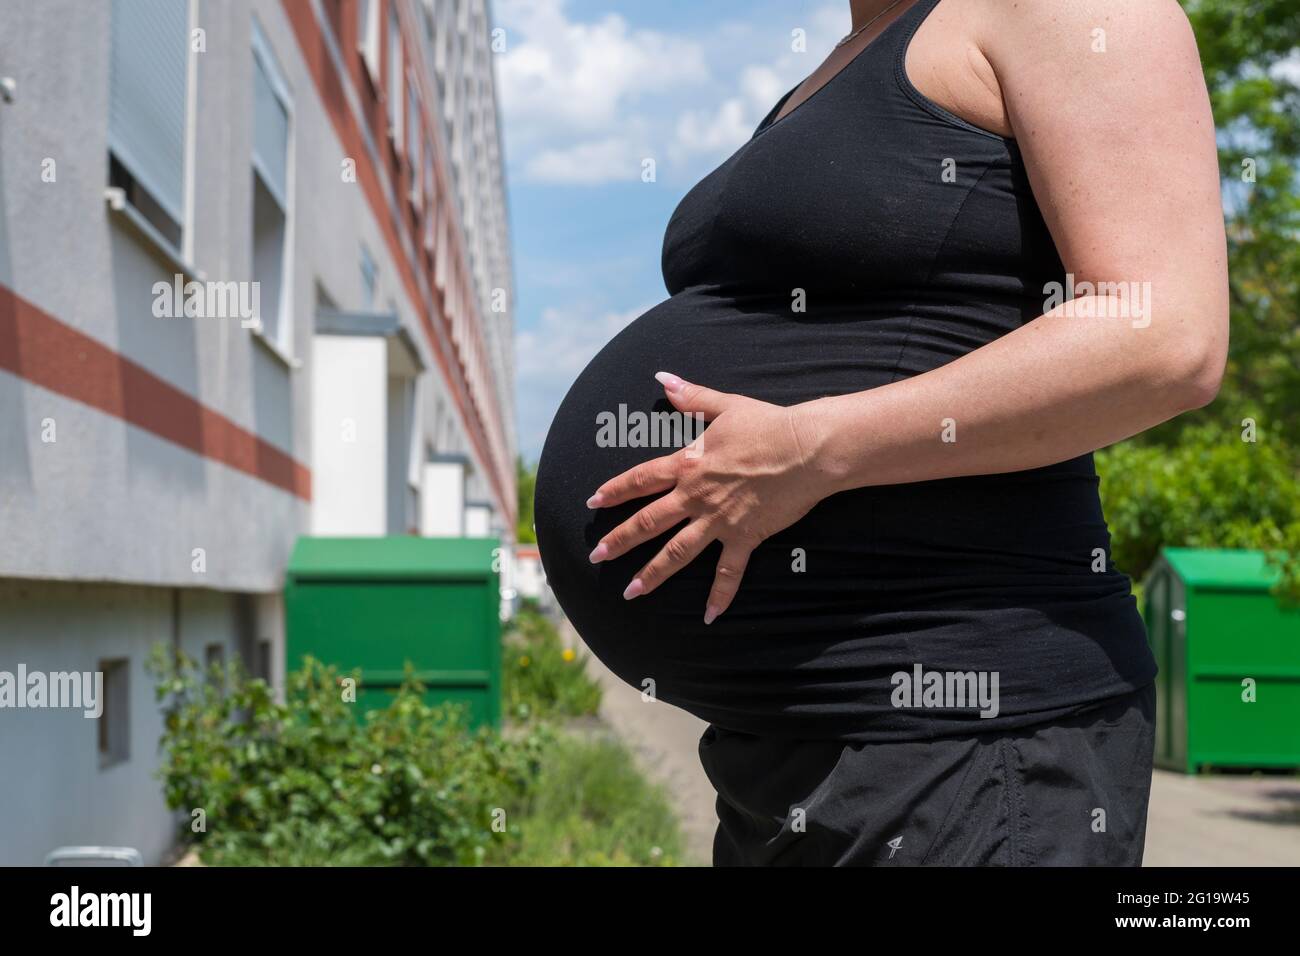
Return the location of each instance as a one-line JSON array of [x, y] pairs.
[[377, 603], [1229, 656]]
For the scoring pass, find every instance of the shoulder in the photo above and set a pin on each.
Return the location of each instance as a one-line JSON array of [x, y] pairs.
[[1020, 66], [1119, 67], [1108, 104], [1079, 31]]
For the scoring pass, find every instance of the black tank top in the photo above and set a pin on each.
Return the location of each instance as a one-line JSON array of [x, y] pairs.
[[867, 236]]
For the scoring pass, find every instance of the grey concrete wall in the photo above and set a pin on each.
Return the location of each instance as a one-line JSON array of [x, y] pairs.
[[108, 501], [54, 792]]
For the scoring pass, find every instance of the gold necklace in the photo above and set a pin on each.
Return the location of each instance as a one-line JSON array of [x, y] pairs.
[[864, 26]]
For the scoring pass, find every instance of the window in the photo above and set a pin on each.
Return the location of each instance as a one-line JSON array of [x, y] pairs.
[[440, 33], [369, 280], [440, 243], [262, 664], [435, 429], [403, 465], [268, 262], [396, 101], [271, 112], [148, 89], [115, 721], [431, 217], [413, 140], [368, 37], [415, 461]]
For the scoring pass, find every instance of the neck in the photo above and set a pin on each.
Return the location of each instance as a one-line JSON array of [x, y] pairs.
[[863, 10]]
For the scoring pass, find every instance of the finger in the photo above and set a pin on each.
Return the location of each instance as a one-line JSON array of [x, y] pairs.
[[687, 397], [648, 478], [648, 523], [726, 580], [680, 551]]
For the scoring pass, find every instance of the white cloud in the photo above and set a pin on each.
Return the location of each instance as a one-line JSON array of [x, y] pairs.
[[591, 162], [586, 102], [724, 128], [576, 95], [551, 355], [713, 132]]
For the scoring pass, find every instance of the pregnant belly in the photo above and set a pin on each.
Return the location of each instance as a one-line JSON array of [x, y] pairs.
[[958, 574]]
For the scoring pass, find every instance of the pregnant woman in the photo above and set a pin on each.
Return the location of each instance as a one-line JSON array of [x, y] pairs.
[[979, 242]]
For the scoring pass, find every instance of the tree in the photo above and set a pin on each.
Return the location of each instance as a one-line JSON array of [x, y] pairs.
[[1250, 51], [1197, 481], [526, 481]]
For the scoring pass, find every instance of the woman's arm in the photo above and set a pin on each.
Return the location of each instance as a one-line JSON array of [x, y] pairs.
[[1116, 133], [1117, 136]]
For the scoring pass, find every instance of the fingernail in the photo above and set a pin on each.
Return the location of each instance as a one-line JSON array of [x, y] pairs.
[[711, 614], [594, 501], [599, 554], [634, 589], [669, 381]]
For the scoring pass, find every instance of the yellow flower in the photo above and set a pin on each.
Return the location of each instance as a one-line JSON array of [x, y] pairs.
[[524, 661], [568, 654]]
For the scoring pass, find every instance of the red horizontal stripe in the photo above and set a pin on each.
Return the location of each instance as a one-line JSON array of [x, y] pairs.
[[45, 351]]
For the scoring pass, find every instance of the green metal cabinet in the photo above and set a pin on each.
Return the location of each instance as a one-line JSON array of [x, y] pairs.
[[1217, 631], [377, 603]]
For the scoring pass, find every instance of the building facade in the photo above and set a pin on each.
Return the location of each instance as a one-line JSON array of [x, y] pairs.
[[255, 283]]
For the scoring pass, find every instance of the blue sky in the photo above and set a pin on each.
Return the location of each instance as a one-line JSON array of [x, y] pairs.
[[589, 90]]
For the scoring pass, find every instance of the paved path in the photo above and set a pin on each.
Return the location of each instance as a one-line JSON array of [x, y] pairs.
[[1223, 820], [1217, 820]]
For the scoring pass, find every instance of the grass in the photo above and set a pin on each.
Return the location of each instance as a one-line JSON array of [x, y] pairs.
[[591, 806], [541, 678]]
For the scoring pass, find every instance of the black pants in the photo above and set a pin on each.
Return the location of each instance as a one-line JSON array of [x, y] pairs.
[[1072, 792]]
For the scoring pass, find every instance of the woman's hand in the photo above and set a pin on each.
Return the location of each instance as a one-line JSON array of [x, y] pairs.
[[746, 478]]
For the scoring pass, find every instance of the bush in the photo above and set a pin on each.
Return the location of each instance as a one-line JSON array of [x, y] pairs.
[[306, 783], [592, 807], [541, 678], [1211, 490]]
